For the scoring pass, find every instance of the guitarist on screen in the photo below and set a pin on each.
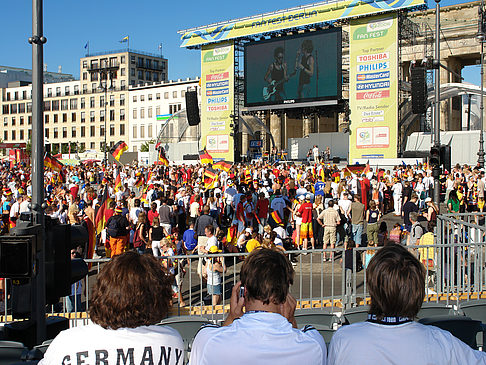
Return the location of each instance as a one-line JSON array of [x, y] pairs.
[[276, 76], [305, 63]]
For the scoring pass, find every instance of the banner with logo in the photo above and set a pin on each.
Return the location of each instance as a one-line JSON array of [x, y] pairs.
[[296, 17], [373, 87], [217, 89]]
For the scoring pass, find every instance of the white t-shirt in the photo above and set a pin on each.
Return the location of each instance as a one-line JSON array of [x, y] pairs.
[[345, 205], [212, 241], [259, 338], [87, 344], [408, 343]]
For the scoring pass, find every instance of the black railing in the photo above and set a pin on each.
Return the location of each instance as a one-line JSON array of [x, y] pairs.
[[91, 54]]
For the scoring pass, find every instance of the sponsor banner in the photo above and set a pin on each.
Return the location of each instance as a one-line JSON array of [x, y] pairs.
[[304, 15], [373, 87], [217, 75]]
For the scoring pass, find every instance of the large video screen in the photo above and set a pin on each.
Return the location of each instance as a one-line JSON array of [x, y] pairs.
[[294, 70]]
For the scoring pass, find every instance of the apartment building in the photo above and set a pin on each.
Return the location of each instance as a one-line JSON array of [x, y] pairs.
[[86, 112], [152, 109]]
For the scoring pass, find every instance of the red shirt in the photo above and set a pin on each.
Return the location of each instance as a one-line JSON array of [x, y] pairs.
[[262, 208], [151, 215], [306, 211]]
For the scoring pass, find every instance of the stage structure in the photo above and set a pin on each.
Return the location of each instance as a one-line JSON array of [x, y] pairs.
[[290, 61]]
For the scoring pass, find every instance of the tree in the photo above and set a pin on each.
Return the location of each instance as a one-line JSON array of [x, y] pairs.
[[145, 146], [28, 147]]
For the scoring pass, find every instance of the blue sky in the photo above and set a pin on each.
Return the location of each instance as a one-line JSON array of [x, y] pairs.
[[69, 24]]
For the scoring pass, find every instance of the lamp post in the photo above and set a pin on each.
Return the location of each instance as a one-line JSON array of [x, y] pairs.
[[436, 168], [481, 102], [104, 74]]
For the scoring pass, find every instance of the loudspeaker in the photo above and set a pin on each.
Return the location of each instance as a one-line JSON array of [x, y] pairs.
[[192, 108], [190, 157], [419, 89], [336, 159]]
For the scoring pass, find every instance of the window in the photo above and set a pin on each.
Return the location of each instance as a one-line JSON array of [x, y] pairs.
[[73, 104], [13, 135], [82, 103], [112, 100], [149, 96], [64, 132], [16, 95], [148, 63], [56, 118], [93, 87], [149, 112], [157, 111], [22, 108], [102, 115], [46, 133], [112, 129], [134, 98], [83, 146], [157, 96], [122, 114], [148, 76], [140, 74], [85, 89], [134, 114], [85, 64], [156, 65], [174, 94], [112, 115], [142, 97], [140, 62], [122, 129], [73, 132], [83, 117], [55, 132], [83, 131], [5, 135], [94, 64], [21, 121], [64, 117], [122, 59], [73, 117], [183, 93], [163, 76], [113, 62], [55, 105], [132, 72], [85, 76], [134, 131], [5, 121], [49, 93], [142, 131], [149, 131], [66, 90], [92, 145], [102, 131], [123, 85], [94, 76], [166, 95], [58, 91], [64, 104], [102, 101], [92, 131], [13, 121], [132, 59], [13, 108], [122, 72], [122, 99], [142, 113], [76, 90], [21, 134], [92, 116], [24, 95], [29, 107], [155, 76], [5, 109], [46, 118]]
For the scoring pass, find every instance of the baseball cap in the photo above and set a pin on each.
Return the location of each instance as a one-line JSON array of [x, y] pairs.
[[428, 200], [214, 249], [301, 197], [308, 196]]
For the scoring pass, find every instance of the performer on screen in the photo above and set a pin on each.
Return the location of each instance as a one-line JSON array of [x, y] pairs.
[[305, 63], [276, 76]]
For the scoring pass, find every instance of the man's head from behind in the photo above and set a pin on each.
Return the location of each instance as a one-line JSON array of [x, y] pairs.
[[396, 283], [131, 291], [266, 275]]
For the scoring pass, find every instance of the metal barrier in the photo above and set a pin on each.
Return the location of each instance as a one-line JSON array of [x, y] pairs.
[[455, 270]]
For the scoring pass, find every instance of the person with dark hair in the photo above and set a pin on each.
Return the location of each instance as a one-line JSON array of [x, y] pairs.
[[267, 331], [396, 283], [132, 294], [305, 64], [276, 76], [117, 229]]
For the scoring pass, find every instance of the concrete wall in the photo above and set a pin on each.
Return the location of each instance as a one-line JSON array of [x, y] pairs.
[[338, 142], [464, 145]]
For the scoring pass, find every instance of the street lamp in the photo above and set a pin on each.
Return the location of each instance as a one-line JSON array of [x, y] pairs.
[[481, 102], [104, 74]]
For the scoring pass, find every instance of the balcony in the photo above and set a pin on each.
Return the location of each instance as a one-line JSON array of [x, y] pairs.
[[104, 67]]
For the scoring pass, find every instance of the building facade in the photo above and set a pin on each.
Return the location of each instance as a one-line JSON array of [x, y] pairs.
[[85, 113]]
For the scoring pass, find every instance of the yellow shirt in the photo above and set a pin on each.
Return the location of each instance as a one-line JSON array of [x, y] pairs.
[[426, 253], [252, 244]]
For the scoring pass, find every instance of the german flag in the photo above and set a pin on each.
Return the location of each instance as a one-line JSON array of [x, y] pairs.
[[139, 182], [118, 149], [91, 238], [162, 157], [354, 169], [100, 212], [367, 168], [223, 165], [210, 178], [276, 218], [118, 182], [52, 163], [205, 157], [247, 176]]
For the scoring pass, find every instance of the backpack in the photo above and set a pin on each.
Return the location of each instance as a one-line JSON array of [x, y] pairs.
[[114, 227]]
